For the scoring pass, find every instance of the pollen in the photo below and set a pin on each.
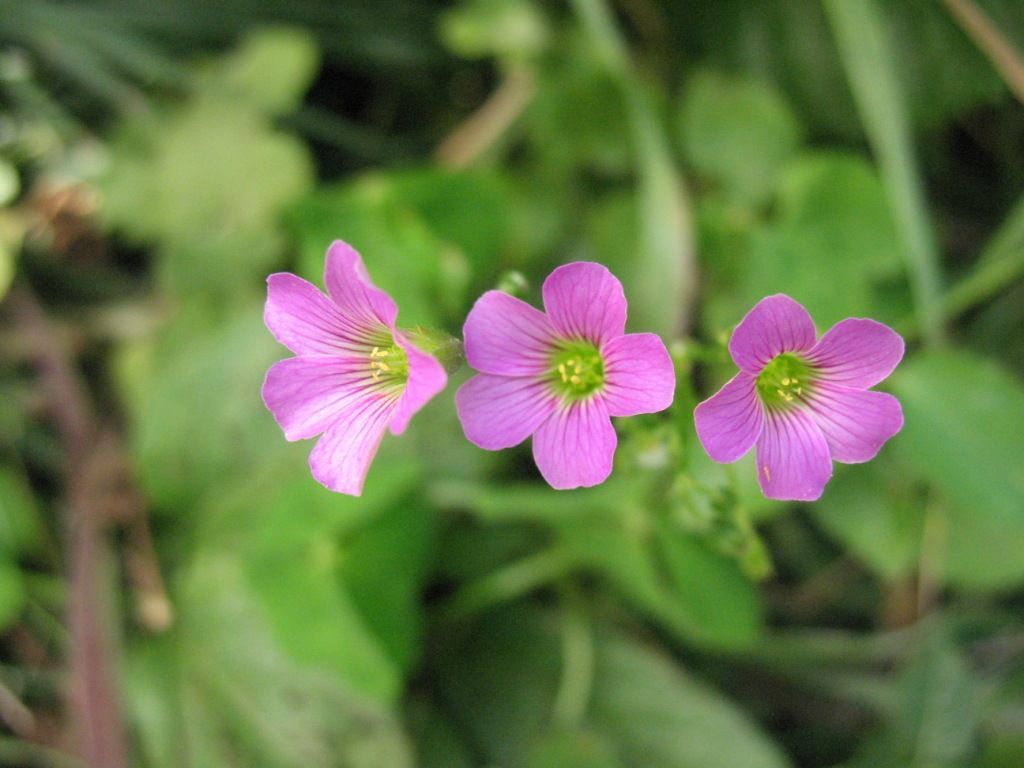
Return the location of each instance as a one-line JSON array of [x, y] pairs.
[[577, 369], [782, 382], [389, 364]]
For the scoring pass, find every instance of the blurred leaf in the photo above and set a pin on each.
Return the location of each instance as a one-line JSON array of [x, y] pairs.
[[833, 238], [19, 522], [12, 592], [12, 230], [208, 180], [964, 421], [10, 184], [937, 716], [578, 117], [317, 622], [660, 717], [199, 422], [500, 681], [872, 512], [713, 590], [738, 132], [385, 568], [438, 743], [573, 749], [219, 691], [271, 69], [403, 255], [500, 28]]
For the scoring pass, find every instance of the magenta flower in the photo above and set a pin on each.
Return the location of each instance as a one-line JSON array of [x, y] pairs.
[[803, 403], [560, 376], [354, 375]]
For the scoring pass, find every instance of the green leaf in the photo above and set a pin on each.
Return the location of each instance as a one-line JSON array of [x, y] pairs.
[[737, 131], [574, 749], [660, 717], [199, 423], [873, 512], [500, 28], [964, 421], [385, 568], [271, 69], [12, 592], [499, 681], [220, 690], [19, 521], [426, 275], [313, 616], [832, 241]]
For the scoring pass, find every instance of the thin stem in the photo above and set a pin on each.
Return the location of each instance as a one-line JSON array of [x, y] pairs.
[[867, 55], [666, 275], [1001, 263], [993, 44], [508, 583], [482, 130]]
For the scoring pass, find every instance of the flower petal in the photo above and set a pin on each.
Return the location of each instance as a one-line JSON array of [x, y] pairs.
[[308, 394], [857, 352], [639, 375], [426, 379], [730, 421], [342, 457], [775, 325], [856, 422], [505, 335], [575, 447], [793, 461], [498, 412], [351, 288], [586, 301], [307, 322]]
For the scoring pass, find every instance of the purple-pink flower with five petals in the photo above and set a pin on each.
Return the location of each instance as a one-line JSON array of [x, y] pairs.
[[560, 375], [804, 402], [354, 375]]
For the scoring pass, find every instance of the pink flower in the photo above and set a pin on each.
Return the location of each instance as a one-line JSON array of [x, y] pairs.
[[559, 376], [804, 403], [354, 373]]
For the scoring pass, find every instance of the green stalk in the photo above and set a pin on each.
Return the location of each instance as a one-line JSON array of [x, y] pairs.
[[867, 55], [665, 278]]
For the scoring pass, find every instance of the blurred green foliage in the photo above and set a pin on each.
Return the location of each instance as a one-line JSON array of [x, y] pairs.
[[157, 161]]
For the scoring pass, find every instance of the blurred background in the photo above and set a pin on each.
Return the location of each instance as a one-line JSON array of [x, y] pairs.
[[176, 590]]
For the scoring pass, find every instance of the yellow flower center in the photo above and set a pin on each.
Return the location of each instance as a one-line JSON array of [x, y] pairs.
[[784, 381], [577, 370]]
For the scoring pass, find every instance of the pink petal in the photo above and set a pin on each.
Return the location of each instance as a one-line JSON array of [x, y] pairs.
[[639, 375], [498, 412], [507, 336], [342, 457], [426, 379], [584, 300], [306, 321], [857, 352], [856, 422], [775, 325], [793, 460], [575, 447], [308, 394], [730, 421], [350, 287]]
